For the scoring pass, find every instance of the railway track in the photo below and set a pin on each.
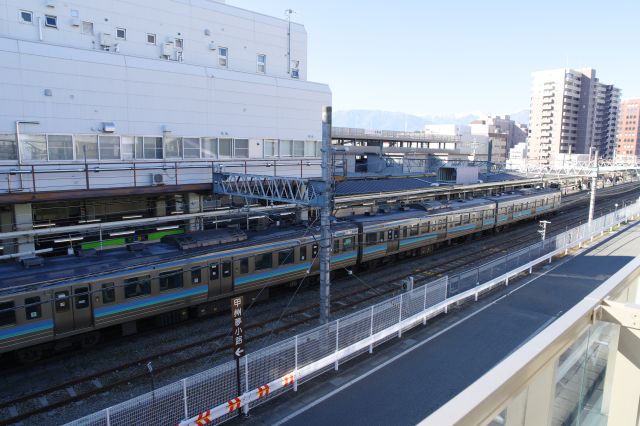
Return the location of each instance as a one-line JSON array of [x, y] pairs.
[[217, 345]]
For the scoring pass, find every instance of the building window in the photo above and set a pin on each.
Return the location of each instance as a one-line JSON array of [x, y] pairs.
[[262, 64], [33, 147], [223, 56], [224, 147], [295, 69], [86, 147], [270, 147], [87, 28], [241, 148], [179, 43], [298, 148], [191, 147], [286, 148], [50, 21], [209, 148], [127, 146], [173, 147], [151, 38], [121, 33], [309, 148], [26, 16], [60, 147], [149, 148], [109, 147], [8, 147]]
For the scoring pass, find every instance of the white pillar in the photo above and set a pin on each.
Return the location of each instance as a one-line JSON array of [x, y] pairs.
[[194, 205], [23, 219], [161, 207]]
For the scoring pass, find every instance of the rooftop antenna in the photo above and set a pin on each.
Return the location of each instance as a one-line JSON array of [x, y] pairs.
[[288, 13]]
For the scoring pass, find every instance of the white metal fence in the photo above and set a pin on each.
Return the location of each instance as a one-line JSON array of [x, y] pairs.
[[212, 396]]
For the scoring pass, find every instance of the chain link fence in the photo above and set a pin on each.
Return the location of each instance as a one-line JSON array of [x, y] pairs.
[[212, 397]]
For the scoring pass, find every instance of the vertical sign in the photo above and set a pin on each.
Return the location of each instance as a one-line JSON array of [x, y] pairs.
[[238, 327]]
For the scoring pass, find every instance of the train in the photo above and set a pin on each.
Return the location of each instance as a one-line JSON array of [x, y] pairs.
[[72, 299]]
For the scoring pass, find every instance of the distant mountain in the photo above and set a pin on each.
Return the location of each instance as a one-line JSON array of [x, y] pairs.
[[386, 120]]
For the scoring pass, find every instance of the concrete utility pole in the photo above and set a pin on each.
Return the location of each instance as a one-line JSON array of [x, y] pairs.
[[325, 218], [594, 182]]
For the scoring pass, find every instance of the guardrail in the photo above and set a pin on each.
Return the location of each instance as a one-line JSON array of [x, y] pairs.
[[212, 396]]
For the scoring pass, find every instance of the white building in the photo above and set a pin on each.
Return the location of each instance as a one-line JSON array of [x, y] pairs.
[[182, 80], [517, 157], [119, 109]]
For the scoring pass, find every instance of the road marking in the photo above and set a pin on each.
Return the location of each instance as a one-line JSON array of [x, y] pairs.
[[400, 355]]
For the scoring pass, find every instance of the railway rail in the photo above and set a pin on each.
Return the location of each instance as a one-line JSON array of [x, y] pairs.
[[34, 403]]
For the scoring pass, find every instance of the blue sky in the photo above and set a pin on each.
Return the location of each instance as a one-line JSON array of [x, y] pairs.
[[441, 57]]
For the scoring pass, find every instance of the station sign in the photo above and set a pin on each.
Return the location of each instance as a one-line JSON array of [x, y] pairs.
[[238, 326]]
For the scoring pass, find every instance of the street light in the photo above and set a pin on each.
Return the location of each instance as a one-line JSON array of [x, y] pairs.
[[615, 212]]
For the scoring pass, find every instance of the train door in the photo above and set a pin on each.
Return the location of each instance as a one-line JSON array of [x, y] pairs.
[[62, 310], [393, 243], [220, 278], [82, 317]]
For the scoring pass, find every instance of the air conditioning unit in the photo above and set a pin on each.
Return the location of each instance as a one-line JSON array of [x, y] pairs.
[[157, 179], [76, 22], [168, 50], [212, 46], [106, 40]]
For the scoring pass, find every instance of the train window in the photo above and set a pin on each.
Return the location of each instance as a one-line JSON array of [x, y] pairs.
[[464, 219], [226, 269], [62, 301], [32, 307], [264, 261], [314, 251], [336, 246], [404, 232], [390, 235], [285, 257], [372, 238], [170, 280], [81, 295], [244, 265], [303, 253], [196, 276], [108, 293], [213, 272], [7, 313], [414, 230], [347, 244], [381, 236], [138, 286], [396, 234]]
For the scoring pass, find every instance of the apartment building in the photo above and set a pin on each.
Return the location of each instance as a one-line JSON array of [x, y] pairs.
[[571, 112], [628, 136]]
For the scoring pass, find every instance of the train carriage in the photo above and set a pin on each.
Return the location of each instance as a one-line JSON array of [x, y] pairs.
[[71, 298]]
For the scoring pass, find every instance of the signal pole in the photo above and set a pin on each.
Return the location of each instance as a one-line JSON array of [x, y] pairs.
[[325, 218]]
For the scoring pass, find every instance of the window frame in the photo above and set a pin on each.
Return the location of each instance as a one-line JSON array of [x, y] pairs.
[[9, 311], [223, 60], [286, 257], [55, 21], [165, 277], [80, 296], [258, 258], [86, 24], [21, 17], [48, 136], [124, 30], [32, 304], [142, 282], [261, 63], [108, 291], [155, 39]]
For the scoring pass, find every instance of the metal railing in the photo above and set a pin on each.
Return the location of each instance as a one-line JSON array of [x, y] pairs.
[[212, 396], [37, 178]]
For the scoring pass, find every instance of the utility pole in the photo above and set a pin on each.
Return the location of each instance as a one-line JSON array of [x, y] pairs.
[[543, 230], [594, 182], [325, 218]]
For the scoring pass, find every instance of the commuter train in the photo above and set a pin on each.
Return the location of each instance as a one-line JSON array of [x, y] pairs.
[[72, 299]]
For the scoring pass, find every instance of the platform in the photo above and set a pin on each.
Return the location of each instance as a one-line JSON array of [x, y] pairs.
[[404, 382]]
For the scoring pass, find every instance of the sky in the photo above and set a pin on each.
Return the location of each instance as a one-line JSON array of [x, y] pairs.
[[444, 56]]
